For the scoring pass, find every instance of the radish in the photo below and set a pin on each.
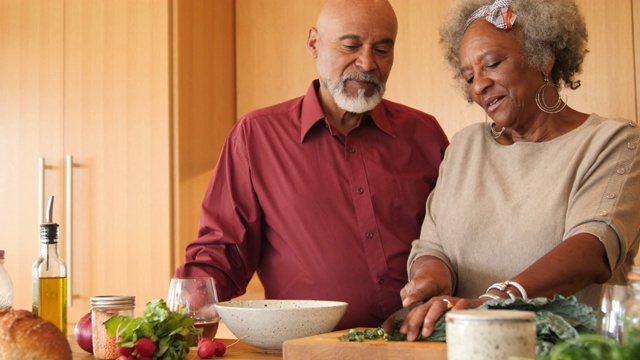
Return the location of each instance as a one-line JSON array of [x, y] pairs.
[[126, 351], [145, 347], [220, 348], [206, 350]]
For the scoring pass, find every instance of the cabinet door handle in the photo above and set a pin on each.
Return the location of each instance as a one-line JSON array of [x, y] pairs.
[[69, 226]]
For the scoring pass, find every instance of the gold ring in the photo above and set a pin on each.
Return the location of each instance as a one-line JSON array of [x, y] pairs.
[[449, 304]]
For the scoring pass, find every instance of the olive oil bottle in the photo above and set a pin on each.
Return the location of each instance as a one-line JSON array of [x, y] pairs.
[[49, 276]]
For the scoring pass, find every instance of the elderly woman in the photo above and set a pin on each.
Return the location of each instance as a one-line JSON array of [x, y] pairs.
[[542, 200]]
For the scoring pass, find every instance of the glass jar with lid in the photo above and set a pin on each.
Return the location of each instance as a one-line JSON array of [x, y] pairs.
[[631, 327], [6, 287], [103, 308]]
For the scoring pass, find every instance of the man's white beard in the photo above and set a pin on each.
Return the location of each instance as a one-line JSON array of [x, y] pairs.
[[355, 104]]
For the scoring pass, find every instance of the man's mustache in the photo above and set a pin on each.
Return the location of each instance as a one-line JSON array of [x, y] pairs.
[[363, 76]]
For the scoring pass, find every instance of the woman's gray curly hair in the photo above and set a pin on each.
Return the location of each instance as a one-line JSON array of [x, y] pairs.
[[547, 29]]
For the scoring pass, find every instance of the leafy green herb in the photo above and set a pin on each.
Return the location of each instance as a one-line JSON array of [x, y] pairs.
[[361, 335], [596, 347], [173, 332]]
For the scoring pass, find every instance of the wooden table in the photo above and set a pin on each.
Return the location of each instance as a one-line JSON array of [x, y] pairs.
[[237, 351]]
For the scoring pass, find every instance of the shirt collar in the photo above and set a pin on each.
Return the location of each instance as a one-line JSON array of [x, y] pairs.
[[312, 113]]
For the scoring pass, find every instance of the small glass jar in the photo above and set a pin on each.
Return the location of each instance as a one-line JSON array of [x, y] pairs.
[[631, 306], [103, 308], [6, 287]]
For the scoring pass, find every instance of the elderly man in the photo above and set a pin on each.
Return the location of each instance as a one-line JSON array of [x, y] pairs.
[[323, 194]]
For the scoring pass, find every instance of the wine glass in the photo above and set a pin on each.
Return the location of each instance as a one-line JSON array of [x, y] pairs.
[[198, 296]]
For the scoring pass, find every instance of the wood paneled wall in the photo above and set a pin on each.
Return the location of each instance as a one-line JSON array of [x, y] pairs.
[[204, 98], [272, 61], [273, 64]]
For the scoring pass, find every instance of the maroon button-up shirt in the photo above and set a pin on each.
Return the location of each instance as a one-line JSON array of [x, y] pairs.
[[319, 215]]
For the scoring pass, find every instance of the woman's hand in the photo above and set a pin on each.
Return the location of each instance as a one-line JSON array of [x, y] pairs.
[[430, 277], [432, 280], [425, 315], [418, 290]]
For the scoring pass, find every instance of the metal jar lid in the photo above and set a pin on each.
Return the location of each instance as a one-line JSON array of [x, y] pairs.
[[112, 301]]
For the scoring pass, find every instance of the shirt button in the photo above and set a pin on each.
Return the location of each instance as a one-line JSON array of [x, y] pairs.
[[352, 150], [360, 190], [369, 235], [611, 195], [620, 171], [631, 146], [381, 280], [603, 213]]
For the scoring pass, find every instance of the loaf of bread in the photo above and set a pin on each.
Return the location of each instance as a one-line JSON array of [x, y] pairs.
[[25, 336]]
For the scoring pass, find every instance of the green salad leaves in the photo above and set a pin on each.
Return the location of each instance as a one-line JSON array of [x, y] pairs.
[[596, 347], [173, 332]]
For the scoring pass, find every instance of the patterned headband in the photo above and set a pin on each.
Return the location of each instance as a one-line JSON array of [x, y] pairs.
[[499, 14]]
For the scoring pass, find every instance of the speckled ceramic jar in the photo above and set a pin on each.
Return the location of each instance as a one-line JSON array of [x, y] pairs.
[[490, 334]]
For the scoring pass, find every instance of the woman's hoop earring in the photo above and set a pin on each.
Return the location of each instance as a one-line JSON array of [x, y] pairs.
[[542, 105]]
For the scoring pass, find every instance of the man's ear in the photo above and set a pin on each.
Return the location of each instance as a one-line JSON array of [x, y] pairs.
[[312, 42]]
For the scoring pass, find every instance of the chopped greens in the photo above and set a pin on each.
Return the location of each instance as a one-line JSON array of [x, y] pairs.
[[361, 335], [173, 332]]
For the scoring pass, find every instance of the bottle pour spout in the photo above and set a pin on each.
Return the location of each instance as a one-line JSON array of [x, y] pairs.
[[49, 229], [49, 213]]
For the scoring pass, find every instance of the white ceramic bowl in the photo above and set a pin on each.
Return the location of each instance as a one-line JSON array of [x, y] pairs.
[[266, 324]]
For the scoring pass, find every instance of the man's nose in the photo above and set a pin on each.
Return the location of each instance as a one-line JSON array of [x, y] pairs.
[[366, 60]]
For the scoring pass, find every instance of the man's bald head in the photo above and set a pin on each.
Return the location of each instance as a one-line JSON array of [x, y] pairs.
[[344, 12], [353, 44]]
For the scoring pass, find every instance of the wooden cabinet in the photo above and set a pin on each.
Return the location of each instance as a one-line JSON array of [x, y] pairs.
[[31, 126], [135, 93], [117, 127]]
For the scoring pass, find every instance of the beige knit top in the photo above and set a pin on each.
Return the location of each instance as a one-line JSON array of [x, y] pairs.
[[496, 208]]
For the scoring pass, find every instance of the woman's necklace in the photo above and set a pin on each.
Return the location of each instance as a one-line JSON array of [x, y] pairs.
[[495, 134]]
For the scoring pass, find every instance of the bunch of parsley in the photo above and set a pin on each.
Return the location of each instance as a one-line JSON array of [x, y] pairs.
[[173, 332]]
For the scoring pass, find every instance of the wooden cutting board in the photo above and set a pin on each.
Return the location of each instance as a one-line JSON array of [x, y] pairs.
[[329, 347]]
